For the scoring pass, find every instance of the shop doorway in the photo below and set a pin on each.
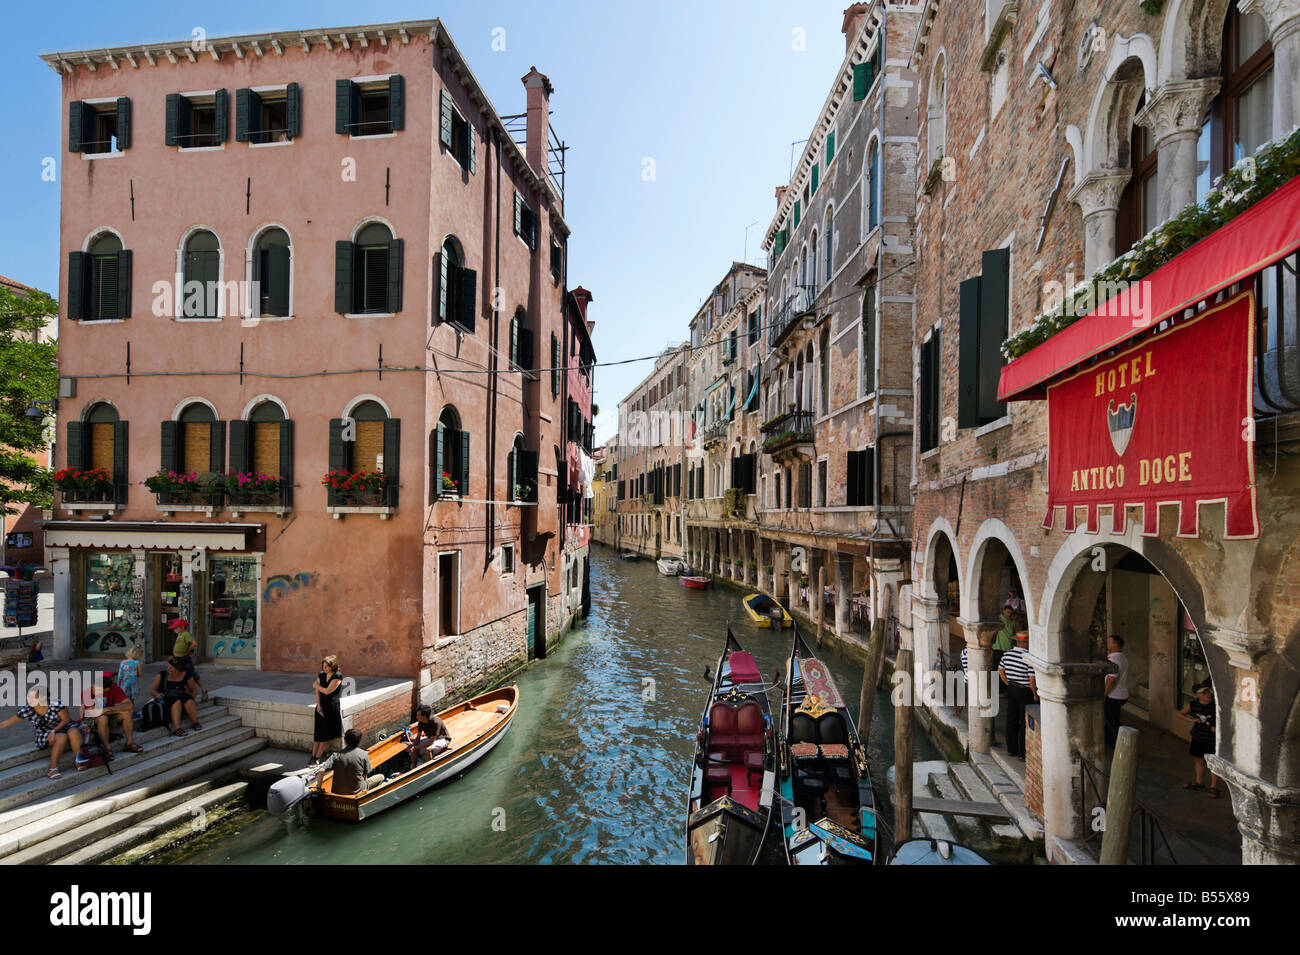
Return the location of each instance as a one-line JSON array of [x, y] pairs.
[[168, 593], [537, 622]]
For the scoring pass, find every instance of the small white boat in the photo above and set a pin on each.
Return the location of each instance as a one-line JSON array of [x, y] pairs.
[[672, 566]]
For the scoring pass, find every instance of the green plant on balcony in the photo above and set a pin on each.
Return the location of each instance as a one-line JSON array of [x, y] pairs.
[[246, 487], [523, 491], [356, 487], [733, 500], [777, 440], [179, 487]]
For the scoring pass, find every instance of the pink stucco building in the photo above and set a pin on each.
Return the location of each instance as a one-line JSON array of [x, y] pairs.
[[294, 255]]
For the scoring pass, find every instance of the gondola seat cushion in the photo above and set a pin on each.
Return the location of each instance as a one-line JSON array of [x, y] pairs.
[[830, 729], [718, 776], [722, 727], [750, 726], [803, 728], [805, 750], [743, 668]]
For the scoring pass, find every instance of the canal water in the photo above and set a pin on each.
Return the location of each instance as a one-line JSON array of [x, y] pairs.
[[595, 767]]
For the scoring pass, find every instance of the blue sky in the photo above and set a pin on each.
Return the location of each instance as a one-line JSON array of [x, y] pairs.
[[714, 93]]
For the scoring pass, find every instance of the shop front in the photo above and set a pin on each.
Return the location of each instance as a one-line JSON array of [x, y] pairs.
[[120, 585]]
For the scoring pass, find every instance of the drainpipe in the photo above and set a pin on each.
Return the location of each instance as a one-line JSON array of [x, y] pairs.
[[492, 365], [880, 304]]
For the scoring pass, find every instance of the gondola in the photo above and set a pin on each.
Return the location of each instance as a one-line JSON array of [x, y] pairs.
[[696, 583], [934, 852], [476, 727], [761, 607], [733, 774], [827, 807]]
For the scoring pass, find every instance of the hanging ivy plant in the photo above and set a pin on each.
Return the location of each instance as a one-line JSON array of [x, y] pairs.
[[1245, 184], [1152, 7]]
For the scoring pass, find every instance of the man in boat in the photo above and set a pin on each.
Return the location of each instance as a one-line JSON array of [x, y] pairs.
[[432, 735], [351, 765]]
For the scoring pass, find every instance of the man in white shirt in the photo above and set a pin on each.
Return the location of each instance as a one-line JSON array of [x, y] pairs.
[[1116, 686]]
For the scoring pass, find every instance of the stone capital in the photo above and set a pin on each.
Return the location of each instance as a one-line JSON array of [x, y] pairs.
[[1178, 108], [980, 633], [1282, 16], [1243, 647], [1069, 682], [1268, 815], [1100, 191]]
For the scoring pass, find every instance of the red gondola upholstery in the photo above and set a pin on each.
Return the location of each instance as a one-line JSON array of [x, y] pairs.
[[744, 669]]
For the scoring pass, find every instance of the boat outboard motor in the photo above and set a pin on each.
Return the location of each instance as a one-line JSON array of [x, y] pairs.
[[285, 794]]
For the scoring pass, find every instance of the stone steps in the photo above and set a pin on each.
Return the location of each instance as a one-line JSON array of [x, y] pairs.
[[39, 819]]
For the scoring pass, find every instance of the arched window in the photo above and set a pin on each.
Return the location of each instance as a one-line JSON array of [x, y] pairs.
[[266, 439], [376, 271], [105, 280], [450, 456], [936, 113], [272, 268], [830, 232], [366, 452], [201, 267], [1240, 119], [199, 446], [813, 271], [871, 186], [456, 286], [1137, 203], [100, 435], [824, 404]]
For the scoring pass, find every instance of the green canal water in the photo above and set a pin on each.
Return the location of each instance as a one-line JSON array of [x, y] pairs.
[[595, 767]]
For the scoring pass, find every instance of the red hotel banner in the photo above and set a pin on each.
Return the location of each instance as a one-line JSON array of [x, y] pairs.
[[1167, 421]]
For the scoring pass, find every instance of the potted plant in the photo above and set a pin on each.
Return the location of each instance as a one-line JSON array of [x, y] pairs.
[[803, 580], [246, 487], [447, 486], [178, 487], [524, 490], [84, 486], [356, 487], [767, 569]]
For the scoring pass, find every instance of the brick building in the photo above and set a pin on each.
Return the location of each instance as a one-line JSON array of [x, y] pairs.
[[1056, 137], [305, 253]]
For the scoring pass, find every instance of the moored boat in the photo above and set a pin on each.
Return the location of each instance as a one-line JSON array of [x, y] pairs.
[[630, 555], [733, 774], [695, 582], [828, 810], [934, 852], [762, 609], [672, 566], [476, 726]]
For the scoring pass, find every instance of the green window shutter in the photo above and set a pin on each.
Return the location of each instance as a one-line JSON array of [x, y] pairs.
[[221, 109], [555, 366], [463, 484], [78, 270], [397, 101], [245, 106], [796, 213], [124, 283], [286, 462], [173, 124], [861, 80], [344, 265], [337, 457], [995, 275], [968, 342], [830, 148], [519, 215], [395, 247], [343, 97], [514, 341], [276, 279], [77, 111], [124, 122], [466, 304], [471, 143], [217, 447], [121, 460], [168, 448], [239, 446], [444, 118], [292, 111], [816, 178], [437, 439], [392, 458], [75, 456]]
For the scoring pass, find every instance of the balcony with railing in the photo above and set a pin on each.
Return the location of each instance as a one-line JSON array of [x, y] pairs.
[[788, 432], [1277, 355], [798, 304], [715, 432]]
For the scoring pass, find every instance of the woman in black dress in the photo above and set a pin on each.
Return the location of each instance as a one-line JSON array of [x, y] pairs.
[[329, 712]]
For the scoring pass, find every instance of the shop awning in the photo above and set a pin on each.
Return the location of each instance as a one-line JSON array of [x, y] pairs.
[[1260, 236], [155, 535]]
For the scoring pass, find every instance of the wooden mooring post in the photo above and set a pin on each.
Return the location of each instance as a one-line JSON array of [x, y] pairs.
[[821, 603], [1119, 798], [870, 675], [903, 739]]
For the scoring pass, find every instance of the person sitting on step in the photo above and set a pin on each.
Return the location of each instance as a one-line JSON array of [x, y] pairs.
[[54, 726]]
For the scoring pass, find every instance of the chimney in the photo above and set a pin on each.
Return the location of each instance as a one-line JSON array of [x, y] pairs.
[[581, 296], [539, 119], [853, 23], [780, 194]]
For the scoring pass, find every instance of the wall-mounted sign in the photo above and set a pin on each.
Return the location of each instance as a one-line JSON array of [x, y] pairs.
[[1169, 421]]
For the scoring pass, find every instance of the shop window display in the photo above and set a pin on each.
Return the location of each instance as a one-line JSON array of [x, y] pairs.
[[232, 609], [113, 620]]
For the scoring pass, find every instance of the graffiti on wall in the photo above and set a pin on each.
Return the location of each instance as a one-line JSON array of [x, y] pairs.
[[282, 585]]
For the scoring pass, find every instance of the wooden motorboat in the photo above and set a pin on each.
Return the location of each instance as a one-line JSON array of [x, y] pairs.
[[762, 609], [934, 852], [696, 583], [476, 726], [672, 566], [630, 555], [733, 774], [827, 807]]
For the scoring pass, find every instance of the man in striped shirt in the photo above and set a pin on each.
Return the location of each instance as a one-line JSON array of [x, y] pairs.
[[1022, 689]]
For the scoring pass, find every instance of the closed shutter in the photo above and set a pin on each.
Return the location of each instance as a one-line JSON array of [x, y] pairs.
[[338, 454], [221, 115], [392, 458], [121, 460], [995, 269], [169, 447], [519, 215], [124, 122], [78, 263], [816, 178], [555, 366], [514, 341], [968, 354], [805, 484], [344, 281], [75, 455], [239, 446], [275, 280], [471, 143], [439, 309], [466, 292], [173, 131], [395, 247], [286, 463], [861, 80], [463, 482], [397, 102], [123, 302], [830, 148], [77, 111], [343, 106], [796, 213], [438, 458], [444, 118], [292, 111], [245, 109], [217, 446]]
